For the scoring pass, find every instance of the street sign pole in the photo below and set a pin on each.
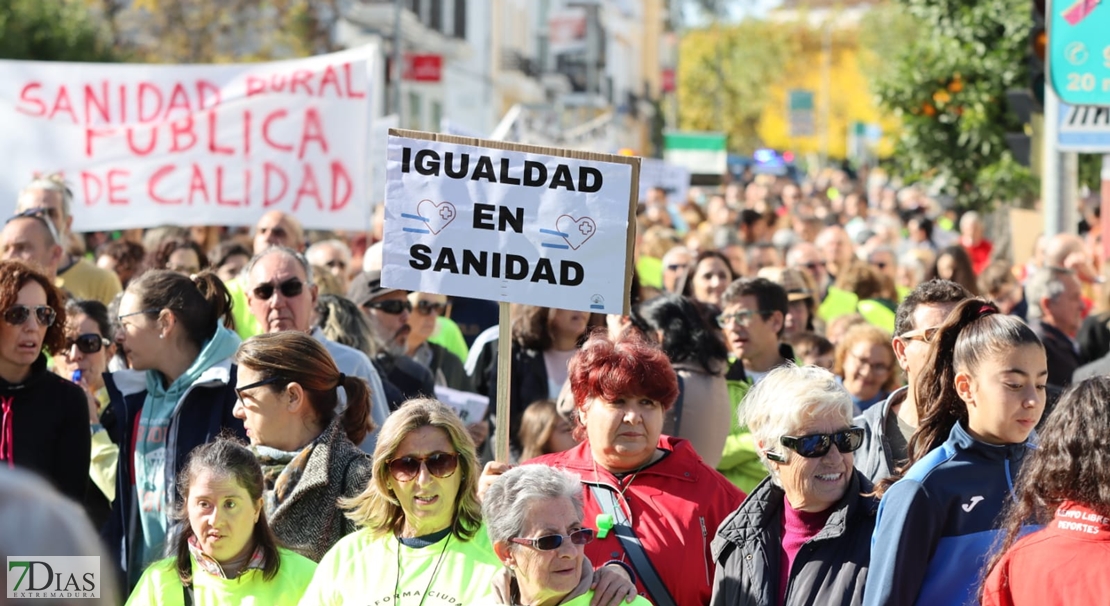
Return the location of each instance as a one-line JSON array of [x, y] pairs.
[[1060, 170]]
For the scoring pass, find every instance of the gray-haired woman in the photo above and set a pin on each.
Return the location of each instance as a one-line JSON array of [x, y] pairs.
[[803, 536], [534, 519]]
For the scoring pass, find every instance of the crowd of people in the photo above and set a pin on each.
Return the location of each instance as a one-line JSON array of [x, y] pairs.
[[833, 392]]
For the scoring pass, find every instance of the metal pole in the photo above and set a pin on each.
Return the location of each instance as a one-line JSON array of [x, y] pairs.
[[398, 7], [826, 91], [592, 85]]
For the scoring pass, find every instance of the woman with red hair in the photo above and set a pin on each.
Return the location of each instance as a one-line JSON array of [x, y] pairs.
[[637, 482]]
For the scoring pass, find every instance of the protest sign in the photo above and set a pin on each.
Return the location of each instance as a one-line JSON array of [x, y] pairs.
[[508, 222], [674, 179], [146, 145]]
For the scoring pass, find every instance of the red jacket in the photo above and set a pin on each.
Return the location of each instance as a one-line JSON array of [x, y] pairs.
[[1064, 563], [676, 506]]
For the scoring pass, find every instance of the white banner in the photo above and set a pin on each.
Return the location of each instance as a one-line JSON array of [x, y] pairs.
[[515, 225], [146, 145], [674, 179]]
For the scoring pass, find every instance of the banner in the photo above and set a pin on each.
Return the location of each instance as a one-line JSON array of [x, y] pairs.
[[509, 223], [674, 179], [145, 145]]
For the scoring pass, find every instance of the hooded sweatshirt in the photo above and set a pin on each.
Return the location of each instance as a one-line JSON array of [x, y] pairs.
[[162, 404]]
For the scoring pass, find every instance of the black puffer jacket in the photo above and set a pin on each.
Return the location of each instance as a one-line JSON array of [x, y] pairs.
[[829, 570]]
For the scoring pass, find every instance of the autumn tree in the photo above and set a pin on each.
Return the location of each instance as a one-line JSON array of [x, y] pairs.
[[60, 30]]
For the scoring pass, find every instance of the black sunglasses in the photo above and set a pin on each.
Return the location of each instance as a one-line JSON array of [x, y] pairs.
[[391, 307], [440, 465], [289, 288], [818, 444], [239, 390], [88, 343], [427, 307], [555, 541], [18, 314]]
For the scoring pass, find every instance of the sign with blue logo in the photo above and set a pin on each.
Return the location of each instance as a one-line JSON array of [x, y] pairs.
[[1079, 51]]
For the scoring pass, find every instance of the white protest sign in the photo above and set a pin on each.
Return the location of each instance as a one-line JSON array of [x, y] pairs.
[[471, 407], [674, 179], [509, 223], [146, 145]]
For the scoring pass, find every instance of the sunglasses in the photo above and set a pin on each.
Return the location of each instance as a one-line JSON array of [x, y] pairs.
[[740, 318], [555, 541], [440, 465], [289, 289], [18, 314], [924, 335], [391, 307], [427, 308], [88, 343], [239, 390], [818, 444]]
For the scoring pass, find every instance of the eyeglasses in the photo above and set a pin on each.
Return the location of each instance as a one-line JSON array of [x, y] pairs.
[[814, 265], [878, 367], [88, 343], [427, 308], [740, 318], [18, 314], [818, 444], [120, 318], [676, 267], [277, 230], [289, 289], [555, 541], [239, 390], [391, 307], [925, 335], [440, 465]]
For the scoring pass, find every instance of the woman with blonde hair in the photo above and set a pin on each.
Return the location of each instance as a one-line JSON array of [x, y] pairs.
[[865, 364]]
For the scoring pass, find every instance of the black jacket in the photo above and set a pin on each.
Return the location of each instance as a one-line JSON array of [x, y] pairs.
[[830, 569], [49, 425], [1063, 358], [528, 383]]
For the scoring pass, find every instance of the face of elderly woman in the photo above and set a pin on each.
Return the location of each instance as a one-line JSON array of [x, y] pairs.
[[623, 434], [542, 575], [818, 483]]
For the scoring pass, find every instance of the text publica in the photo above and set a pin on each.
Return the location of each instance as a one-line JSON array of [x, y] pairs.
[[430, 163]]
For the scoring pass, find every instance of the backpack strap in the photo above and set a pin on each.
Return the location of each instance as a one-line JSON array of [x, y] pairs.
[[639, 559]]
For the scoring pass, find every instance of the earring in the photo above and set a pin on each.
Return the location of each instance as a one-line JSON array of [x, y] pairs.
[[161, 336]]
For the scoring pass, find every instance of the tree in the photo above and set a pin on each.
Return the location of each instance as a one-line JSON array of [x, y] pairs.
[[59, 30], [949, 88]]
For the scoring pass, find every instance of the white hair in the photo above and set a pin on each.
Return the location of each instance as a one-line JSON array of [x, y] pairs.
[[505, 504], [52, 182], [1045, 283], [785, 399]]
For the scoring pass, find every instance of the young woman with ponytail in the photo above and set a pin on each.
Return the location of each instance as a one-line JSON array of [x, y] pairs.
[[307, 444], [981, 395]]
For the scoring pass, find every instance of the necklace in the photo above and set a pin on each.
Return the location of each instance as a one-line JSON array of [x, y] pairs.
[[435, 570]]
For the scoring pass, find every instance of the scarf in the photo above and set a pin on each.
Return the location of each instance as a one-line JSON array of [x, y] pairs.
[[212, 567], [7, 434], [281, 470]]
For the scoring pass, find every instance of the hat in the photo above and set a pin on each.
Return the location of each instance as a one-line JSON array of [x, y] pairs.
[[366, 287], [792, 280]]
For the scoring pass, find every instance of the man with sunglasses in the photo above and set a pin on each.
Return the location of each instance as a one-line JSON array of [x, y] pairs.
[[387, 312], [281, 296], [77, 275], [889, 425], [334, 255]]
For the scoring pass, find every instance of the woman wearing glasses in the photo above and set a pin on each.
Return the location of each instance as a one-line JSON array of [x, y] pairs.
[[445, 366], [865, 364], [84, 360], [535, 518], [421, 538], [981, 395], [288, 388], [178, 394], [44, 419], [803, 536]]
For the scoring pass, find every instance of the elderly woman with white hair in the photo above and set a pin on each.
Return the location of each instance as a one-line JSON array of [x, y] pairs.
[[534, 518], [803, 536]]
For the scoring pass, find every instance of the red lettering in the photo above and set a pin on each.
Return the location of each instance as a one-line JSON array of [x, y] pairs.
[[246, 187], [351, 94], [154, 179], [269, 169], [62, 103], [180, 128], [203, 87], [92, 188], [220, 190], [25, 97], [95, 132], [179, 99], [212, 145], [277, 82], [280, 113], [196, 183], [145, 90], [131, 141], [313, 131], [246, 133], [255, 86], [339, 176], [300, 78], [115, 186], [101, 104], [330, 77], [309, 188], [123, 104]]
